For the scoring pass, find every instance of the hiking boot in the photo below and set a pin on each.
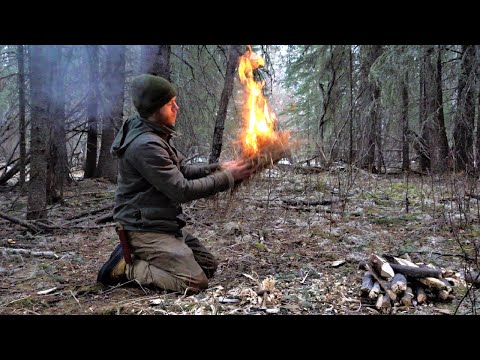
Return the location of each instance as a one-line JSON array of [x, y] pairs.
[[113, 271]]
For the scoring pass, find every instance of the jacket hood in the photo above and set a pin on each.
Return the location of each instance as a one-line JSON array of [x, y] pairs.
[[134, 127]]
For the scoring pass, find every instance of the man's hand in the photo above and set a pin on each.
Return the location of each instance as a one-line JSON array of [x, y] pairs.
[[241, 169]]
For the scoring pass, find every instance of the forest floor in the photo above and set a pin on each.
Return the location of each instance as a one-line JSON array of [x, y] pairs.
[[272, 232]]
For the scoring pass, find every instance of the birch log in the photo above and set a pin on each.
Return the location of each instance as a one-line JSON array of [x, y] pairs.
[[382, 266], [386, 307], [403, 262], [399, 283], [435, 283], [383, 283], [421, 295], [373, 294], [367, 283], [407, 297]]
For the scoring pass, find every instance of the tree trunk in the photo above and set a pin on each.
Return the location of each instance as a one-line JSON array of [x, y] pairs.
[[233, 54], [92, 111], [21, 113], [435, 122], [377, 124], [113, 110], [156, 60], [477, 66], [57, 156], [350, 112], [465, 112], [443, 150], [39, 79], [404, 122], [370, 103], [423, 141]]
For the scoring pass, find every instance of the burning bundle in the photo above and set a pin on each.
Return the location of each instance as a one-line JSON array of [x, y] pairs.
[[260, 141]]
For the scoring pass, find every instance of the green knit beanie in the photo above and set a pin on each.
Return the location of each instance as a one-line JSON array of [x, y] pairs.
[[150, 92]]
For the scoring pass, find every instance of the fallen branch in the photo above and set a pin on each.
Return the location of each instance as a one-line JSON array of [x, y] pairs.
[[20, 222], [299, 208], [90, 212], [302, 169], [11, 173], [104, 219], [69, 227], [49, 254], [307, 202], [85, 227], [36, 226]]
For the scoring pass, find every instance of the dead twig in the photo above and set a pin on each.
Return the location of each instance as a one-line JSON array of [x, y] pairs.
[[78, 302], [14, 301], [305, 277]]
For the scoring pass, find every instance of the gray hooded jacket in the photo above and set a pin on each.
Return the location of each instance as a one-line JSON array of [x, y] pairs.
[[153, 179]]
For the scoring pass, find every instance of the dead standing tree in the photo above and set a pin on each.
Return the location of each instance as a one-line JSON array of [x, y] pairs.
[[233, 54], [155, 60], [92, 110], [113, 109], [57, 148]]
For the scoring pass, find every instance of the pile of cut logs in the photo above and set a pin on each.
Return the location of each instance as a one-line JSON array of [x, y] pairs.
[[393, 281]]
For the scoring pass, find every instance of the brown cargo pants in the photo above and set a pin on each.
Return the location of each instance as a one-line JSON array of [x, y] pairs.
[[178, 263]]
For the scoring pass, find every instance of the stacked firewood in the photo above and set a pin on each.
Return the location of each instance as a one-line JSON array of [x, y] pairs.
[[395, 282]]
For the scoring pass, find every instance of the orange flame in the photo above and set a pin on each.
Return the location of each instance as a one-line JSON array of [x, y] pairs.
[[259, 120]]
